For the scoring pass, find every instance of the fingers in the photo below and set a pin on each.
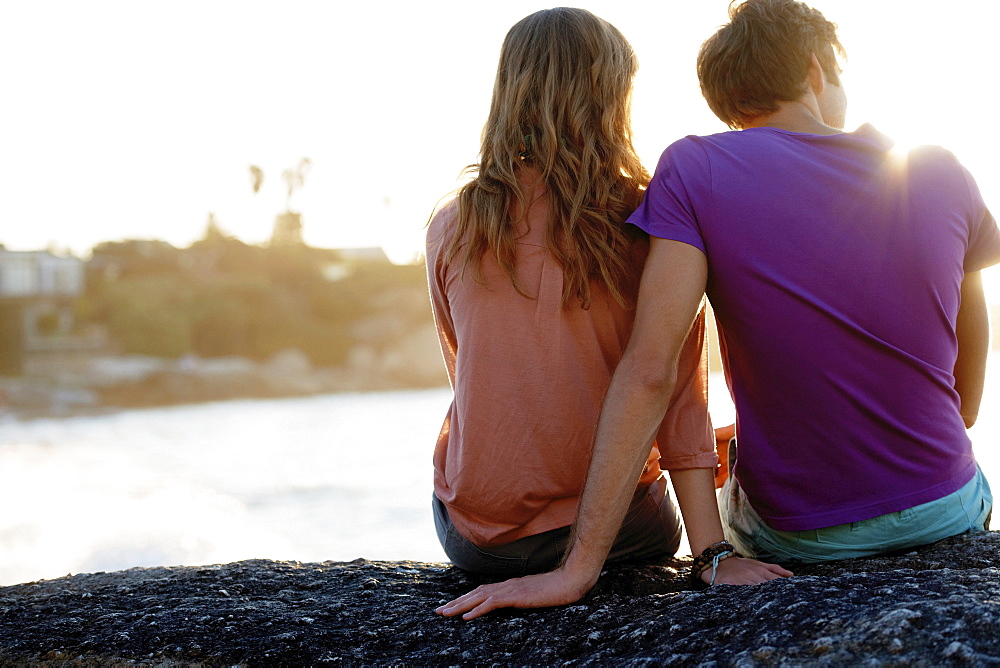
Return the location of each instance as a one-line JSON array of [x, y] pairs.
[[781, 572], [464, 603], [766, 575], [486, 606], [746, 572], [766, 572], [725, 433], [477, 602]]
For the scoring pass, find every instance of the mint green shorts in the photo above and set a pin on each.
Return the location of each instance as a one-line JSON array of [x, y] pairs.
[[966, 510]]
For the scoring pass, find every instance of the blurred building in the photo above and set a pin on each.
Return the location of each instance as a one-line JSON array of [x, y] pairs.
[[37, 290], [344, 260], [369, 254], [34, 274]]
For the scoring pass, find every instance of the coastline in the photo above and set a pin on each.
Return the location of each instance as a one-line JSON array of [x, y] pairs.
[[100, 384]]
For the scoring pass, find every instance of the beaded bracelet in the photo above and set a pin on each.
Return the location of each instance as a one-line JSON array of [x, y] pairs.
[[710, 557]]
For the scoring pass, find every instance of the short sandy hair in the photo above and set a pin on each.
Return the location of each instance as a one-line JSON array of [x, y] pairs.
[[761, 58]]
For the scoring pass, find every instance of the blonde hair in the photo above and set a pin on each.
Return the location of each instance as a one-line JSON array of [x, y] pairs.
[[561, 103]]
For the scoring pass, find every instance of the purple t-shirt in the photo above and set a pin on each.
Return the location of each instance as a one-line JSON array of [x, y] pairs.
[[835, 268]]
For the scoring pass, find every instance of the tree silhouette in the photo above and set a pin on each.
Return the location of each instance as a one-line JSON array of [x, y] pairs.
[[256, 178], [288, 224], [213, 233], [294, 179]]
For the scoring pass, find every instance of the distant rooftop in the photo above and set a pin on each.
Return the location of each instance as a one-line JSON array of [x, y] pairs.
[[39, 274]]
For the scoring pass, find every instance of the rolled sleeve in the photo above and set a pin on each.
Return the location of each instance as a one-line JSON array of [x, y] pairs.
[[685, 437]]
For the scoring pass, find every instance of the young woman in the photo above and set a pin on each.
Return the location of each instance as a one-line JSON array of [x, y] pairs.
[[533, 277]]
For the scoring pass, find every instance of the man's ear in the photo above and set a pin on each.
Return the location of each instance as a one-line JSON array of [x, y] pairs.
[[815, 76]]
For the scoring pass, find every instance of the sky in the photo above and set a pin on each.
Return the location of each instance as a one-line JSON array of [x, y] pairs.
[[124, 119]]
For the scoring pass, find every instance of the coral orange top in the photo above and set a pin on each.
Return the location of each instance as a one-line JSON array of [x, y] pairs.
[[529, 378]]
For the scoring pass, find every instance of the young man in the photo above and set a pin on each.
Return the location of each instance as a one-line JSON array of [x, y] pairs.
[[845, 279]]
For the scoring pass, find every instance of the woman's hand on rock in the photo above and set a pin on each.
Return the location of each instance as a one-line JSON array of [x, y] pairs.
[[740, 571]]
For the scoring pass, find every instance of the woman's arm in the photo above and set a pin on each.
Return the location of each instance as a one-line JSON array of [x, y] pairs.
[[695, 491]]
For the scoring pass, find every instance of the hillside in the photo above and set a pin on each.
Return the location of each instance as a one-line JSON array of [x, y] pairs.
[[224, 319]]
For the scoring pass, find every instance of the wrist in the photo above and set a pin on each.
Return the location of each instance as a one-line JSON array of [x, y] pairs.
[[582, 568], [706, 565]]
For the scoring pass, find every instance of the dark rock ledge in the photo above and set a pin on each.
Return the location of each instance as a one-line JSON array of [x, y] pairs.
[[936, 606]]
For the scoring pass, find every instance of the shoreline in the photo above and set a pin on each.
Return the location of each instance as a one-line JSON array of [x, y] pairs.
[[107, 384]]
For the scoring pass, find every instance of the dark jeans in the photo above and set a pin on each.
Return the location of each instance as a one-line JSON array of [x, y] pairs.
[[650, 534]]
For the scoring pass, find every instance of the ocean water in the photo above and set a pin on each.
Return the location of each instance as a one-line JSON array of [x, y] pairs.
[[310, 479], [332, 477]]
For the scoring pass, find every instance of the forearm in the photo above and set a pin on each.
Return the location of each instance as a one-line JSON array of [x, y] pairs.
[[973, 332], [632, 411], [695, 492]]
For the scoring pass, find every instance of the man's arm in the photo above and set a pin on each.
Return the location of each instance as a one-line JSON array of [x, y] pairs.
[[670, 295], [973, 331]]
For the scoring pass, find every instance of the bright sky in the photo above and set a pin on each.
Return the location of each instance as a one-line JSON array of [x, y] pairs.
[[126, 119]]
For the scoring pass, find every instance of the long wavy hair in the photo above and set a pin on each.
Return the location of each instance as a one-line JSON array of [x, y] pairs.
[[561, 104]]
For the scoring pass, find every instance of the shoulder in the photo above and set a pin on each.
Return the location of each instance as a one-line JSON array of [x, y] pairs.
[[683, 164], [926, 155], [941, 171], [445, 216], [685, 148], [933, 156], [441, 226], [693, 153]]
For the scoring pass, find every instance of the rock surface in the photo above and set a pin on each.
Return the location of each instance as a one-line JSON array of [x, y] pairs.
[[939, 605]]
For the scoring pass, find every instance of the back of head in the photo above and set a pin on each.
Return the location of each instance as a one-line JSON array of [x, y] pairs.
[[563, 84], [761, 57], [561, 108]]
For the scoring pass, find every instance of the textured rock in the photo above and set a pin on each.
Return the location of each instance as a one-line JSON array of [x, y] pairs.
[[936, 606]]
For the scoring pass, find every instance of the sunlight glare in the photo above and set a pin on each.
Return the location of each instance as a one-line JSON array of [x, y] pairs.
[[903, 143]]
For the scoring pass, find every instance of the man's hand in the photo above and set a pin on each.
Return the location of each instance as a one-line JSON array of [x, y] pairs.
[[558, 587], [744, 572], [723, 434]]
